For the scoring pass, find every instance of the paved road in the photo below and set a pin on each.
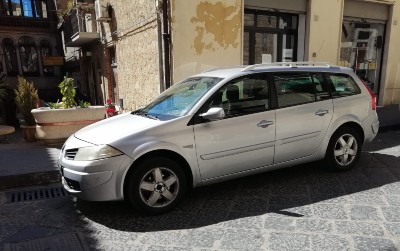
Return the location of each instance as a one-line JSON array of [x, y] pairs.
[[299, 208]]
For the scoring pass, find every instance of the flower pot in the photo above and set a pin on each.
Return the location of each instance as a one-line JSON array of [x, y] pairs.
[[29, 133], [54, 126]]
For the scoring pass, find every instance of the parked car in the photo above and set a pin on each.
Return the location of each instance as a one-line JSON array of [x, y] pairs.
[[219, 125]]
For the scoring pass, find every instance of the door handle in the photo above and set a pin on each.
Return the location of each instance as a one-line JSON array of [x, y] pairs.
[[265, 123], [321, 112]]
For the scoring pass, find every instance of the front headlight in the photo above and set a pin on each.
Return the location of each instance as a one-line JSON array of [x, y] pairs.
[[96, 152]]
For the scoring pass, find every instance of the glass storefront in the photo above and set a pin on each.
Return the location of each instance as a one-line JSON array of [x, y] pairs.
[[361, 49], [269, 37]]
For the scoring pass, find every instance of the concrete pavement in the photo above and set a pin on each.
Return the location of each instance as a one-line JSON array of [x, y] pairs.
[[299, 208]]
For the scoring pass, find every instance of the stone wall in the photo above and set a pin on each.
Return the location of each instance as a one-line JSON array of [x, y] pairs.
[[133, 32]]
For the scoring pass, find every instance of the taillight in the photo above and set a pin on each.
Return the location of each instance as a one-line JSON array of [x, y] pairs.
[[373, 97]]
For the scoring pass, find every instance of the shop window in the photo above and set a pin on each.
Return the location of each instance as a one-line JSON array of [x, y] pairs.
[[267, 21], [246, 43], [248, 19], [361, 50], [45, 51], [10, 57], [29, 56], [269, 37]]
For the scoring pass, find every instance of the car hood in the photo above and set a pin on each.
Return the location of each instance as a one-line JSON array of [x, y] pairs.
[[115, 128]]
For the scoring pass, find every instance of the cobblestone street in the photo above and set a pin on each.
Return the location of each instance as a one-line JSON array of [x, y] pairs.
[[299, 208]]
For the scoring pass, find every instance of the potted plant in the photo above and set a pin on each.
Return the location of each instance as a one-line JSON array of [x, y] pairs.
[[54, 124], [26, 98], [110, 109]]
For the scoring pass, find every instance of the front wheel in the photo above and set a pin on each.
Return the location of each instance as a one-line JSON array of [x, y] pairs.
[[344, 149], [156, 186]]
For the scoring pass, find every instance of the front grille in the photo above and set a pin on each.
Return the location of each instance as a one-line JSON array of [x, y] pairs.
[[71, 153], [73, 184]]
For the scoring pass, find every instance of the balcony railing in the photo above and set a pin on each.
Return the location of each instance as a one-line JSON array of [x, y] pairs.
[[30, 22], [79, 28]]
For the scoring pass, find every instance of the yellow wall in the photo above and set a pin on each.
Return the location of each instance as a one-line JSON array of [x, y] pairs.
[[208, 33], [391, 77], [205, 34], [324, 36], [325, 27]]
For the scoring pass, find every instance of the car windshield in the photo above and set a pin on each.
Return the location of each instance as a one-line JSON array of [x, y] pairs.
[[179, 99]]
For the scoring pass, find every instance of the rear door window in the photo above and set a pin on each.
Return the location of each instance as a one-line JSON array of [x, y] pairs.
[[295, 88]]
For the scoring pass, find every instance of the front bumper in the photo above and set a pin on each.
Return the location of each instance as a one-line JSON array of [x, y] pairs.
[[97, 180]]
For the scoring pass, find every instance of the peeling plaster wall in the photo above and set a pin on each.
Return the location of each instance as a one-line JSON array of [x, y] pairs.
[[205, 34]]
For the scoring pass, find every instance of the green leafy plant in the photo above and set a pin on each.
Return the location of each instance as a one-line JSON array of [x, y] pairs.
[[56, 105], [3, 85], [26, 98], [84, 104], [68, 92]]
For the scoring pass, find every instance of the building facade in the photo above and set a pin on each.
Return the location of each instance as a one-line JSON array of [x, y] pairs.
[[142, 47], [29, 47]]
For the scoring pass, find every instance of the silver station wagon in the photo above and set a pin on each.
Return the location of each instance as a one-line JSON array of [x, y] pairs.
[[219, 125]]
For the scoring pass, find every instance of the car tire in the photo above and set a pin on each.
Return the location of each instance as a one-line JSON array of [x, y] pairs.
[[344, 150], [156, 186]]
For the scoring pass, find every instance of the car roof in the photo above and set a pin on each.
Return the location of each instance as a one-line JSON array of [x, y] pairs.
[[235, 71]]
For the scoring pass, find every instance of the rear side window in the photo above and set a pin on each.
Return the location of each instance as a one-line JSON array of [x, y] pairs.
[[342, 85]]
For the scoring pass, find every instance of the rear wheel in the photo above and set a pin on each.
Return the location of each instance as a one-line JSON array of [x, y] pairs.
[[156, 186], [344, 149]]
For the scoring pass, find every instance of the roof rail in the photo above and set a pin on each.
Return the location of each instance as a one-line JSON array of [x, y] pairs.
[[211, 69], [288, 64], [222, 68]]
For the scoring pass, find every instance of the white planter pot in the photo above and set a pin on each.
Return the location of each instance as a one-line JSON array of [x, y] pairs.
[[54, 126]]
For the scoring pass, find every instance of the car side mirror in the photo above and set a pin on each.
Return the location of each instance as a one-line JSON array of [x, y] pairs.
[[215, 113]]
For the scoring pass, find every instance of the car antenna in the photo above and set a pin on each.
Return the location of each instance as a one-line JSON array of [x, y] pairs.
[[320, 48]]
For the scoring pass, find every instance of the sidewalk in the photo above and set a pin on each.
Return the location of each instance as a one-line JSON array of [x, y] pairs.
[[26, 164], [389, 117]]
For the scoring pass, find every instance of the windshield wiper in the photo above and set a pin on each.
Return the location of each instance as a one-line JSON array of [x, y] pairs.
[[141, 113]]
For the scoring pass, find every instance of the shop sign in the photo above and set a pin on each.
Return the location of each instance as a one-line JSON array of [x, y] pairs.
[[53, 60]]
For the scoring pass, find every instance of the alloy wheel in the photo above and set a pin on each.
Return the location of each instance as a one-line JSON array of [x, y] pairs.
[[159, 187], [345, 150]]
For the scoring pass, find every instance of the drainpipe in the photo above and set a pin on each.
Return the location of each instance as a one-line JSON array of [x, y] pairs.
[[160, 50], [166, 36]]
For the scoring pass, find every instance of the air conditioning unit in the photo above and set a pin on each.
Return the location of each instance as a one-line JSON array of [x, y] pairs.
[[101, 8]]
